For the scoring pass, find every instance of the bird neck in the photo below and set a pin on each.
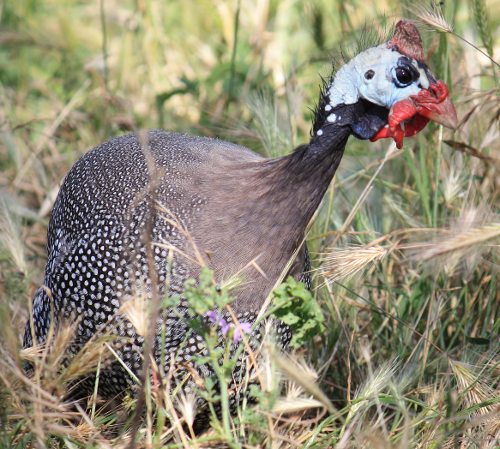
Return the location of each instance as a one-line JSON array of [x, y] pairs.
[[262, 216], [297, 182]]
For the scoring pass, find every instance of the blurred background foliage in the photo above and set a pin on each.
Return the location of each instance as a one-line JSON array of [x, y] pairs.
[[420, 224]]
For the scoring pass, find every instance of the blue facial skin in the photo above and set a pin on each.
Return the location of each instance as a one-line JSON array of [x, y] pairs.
[[370, 122], [374, 118]]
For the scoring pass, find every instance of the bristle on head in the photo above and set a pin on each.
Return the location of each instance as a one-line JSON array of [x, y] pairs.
[[407, 40]]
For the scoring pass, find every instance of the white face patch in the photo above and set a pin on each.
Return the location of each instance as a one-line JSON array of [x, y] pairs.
[[424, 81], [378, 87]]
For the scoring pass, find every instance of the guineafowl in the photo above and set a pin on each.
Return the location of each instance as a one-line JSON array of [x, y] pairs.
[[138, 215]]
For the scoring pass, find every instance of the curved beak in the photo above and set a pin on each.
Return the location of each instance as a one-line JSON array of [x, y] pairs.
[[435, 104]]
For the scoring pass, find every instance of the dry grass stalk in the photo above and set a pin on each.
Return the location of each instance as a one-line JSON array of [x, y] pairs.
[[186, 404], [136, 310], [296, 405], [391, 149], [50, 130], [432, 17], [37, 402], [454, 180], [473, 386], [475, 232], [296, 372], [140, 44], [377, 383], [344, 263], [87, 358], [457, 245], [10, 236]]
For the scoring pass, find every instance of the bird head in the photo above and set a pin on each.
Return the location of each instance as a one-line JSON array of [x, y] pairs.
[[394, 92]]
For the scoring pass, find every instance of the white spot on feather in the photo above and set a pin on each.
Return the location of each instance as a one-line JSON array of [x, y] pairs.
[[319, 132]]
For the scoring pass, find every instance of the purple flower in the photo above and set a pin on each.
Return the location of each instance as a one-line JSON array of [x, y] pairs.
[[216, 319], [212, 316], [245, 327], [224, 326]]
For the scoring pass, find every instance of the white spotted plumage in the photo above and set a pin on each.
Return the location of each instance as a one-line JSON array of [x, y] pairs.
[[97, 257]]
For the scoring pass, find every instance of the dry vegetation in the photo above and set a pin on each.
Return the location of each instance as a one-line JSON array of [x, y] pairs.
[[405, 246]]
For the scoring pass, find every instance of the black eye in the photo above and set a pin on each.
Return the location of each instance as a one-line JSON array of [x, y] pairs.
[[404, 75], [369, 74]]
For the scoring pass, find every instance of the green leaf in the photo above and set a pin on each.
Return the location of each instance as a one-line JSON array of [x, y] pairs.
[[205, 294], [295, 306]]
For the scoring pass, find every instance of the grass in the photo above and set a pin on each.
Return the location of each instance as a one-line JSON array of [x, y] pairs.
[[404, 247]]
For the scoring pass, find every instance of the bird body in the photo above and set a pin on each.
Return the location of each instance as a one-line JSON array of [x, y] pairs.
[[140, 214], [156, 190]]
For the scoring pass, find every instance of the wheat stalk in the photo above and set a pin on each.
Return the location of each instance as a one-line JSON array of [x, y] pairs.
[[10, 237], [343, 263], [470, 238], [482, 24], [433, 18], [472, 386]]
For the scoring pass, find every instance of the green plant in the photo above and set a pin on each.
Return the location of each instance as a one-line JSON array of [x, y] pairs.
[[404, 248]]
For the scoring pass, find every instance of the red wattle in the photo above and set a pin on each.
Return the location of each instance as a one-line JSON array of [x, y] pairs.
[[409, 116]]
